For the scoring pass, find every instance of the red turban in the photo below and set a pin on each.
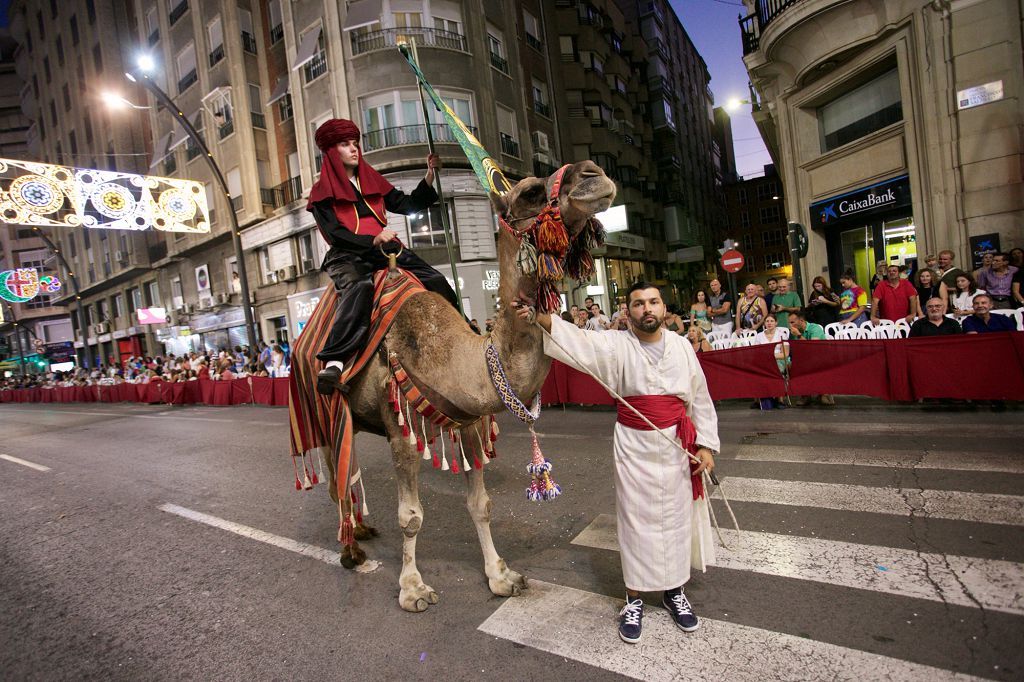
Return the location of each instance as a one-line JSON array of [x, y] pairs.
[[334, 182]]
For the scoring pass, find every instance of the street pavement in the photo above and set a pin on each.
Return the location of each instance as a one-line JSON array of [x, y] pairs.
[[145, 542]]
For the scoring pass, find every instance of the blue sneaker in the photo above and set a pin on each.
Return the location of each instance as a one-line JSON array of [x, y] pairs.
[[679, 608], [631, 620]]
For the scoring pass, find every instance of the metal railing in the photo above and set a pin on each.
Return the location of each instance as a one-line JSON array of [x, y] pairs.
[[288, 191], [153, 37], [542, 170], [542, 108], [534, 42], [509, 145], [374, 140], [765, 12], [192, 150], [267, 196], [315, 67], [423, 37], [217, 54], [258, 120], [226, 128], [248, 42], [499, 62], [276, 33], [187, 80], [178, 11]]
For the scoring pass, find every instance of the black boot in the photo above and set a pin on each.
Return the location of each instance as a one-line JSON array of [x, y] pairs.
[[329, 380]]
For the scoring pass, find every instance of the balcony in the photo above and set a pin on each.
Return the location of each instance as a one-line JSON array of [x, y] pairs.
[[216, 55], [226, 129], [187, 80], [543, 170], [534, 42], [178, 12], [315, 67], [258, 120], [509, 145], [285, 193], [423, 37], [375, 140], [267, 196], [276, 33], [542, 108], [192, 150], [499, 62], [154, 37], [766, 12], [237, 203]]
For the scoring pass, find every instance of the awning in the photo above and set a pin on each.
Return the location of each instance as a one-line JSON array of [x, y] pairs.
[[280, 90], [161, 150], [307, 48], [362, 13]]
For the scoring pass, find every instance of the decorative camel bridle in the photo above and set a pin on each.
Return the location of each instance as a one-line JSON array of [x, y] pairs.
[[546, 250]]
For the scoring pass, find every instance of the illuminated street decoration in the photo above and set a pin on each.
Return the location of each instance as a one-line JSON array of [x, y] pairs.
[[24, 284], [61, 196]]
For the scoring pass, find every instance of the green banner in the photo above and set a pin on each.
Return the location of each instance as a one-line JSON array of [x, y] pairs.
[[487, 171]]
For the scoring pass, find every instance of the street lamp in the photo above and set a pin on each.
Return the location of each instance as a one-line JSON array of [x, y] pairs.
[[141, 75]]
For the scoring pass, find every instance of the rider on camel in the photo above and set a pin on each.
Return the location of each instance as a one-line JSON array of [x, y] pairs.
[[349, 203]]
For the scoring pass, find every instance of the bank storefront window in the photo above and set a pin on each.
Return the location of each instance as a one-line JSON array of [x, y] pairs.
[[861, 111]]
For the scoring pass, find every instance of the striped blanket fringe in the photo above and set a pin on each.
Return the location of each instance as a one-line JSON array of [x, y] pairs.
[[319, 421], [423, 425]]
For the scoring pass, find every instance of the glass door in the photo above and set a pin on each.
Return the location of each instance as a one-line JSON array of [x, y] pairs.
[[857, 254], [900, 243]]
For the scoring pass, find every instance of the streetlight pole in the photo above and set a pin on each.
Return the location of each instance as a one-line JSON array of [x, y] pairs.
[[17, 339], [79, 311], [140, 76]]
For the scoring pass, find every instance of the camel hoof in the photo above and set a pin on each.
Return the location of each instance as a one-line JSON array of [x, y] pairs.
[[363, 533], [509, 583], [417, 600], [352, 556]]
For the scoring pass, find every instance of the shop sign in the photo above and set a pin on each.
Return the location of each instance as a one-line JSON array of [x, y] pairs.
[[60, 351], [877, 198], [301, 307], [492, 278], [624, 240], [982, 244]]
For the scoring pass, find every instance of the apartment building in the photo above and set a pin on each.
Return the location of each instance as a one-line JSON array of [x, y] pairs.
[[895, 125], [757, 223]]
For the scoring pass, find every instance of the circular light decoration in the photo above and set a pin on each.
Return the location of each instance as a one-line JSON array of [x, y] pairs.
[[19, 286], [36, 194], [113, 201], [178, 206], [49, 284]]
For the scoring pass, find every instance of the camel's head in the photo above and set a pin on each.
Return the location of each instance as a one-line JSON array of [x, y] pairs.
[[553, 220]]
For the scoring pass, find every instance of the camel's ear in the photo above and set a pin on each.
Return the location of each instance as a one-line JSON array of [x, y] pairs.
[[499, 203]]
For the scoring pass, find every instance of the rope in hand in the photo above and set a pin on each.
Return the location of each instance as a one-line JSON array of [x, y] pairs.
[[708, 484]]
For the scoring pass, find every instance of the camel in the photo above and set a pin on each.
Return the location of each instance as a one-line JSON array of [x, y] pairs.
[[446, 360]]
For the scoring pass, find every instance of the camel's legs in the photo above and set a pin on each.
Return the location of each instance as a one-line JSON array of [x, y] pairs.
[[502, 580], [414, 595]]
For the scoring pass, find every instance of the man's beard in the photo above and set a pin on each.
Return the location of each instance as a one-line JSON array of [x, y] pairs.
[[647, 325]]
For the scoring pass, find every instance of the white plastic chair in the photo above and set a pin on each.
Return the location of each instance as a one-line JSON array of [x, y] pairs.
[[784, 333], [746, 333], [713, 337], [1017, 315], [742, 340], [848, 330]]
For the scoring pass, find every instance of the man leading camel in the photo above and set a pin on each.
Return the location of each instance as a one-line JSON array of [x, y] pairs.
[[349, 203], [661, 508]]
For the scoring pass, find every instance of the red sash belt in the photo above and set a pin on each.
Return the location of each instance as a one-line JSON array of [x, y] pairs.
[[664, 411]]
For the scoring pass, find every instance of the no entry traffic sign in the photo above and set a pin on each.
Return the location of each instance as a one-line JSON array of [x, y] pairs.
[[732, 261]]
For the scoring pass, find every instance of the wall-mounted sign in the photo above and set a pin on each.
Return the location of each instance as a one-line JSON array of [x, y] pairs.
[[878, 198], [613, 219], [979, 94], [624, 240], [24, 284], [152, 315], [301, 307], [492, 278], [62, 196], [982, 244]]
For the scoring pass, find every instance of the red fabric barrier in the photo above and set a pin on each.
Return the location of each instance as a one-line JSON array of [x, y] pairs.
[[241, 393], [206, 391], [841, 367], [221, 393], [281, 392], [749, 372], [263, 390], [976, 367]]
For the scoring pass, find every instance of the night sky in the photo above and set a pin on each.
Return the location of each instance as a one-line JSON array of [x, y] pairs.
[[713, 29]]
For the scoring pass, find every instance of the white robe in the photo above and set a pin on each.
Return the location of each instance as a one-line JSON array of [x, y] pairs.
[[662, 530]]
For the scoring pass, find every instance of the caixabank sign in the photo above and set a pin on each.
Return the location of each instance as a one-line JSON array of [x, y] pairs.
[[861, 203]]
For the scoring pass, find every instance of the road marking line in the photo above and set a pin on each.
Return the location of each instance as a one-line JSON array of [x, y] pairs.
[[313, 551], [25, 462], [1007, 510], [582, 626], [952, 460], [996, 585], [783, 428]]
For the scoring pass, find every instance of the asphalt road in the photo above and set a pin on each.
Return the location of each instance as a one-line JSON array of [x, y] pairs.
[[97, 581]]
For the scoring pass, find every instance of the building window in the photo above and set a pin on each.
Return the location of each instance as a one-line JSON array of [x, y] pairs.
[[152, 26], [307, 255], [118, 305], [770, 214], [153, 293], [90, 7], [567, 48], [215, 32], [531, 29], [448, 25], [284, 108], [540, 98], [248, 34], [396, 118], [408, 19], [66, 95], [97, 59], [60, 51], [318, 155], [861, 111], [178, 11], [748, 244], [774, 237], [177, 297], [46, 69], [497, 50], [186, 61], [744, 220], [134, 299], [426, 227], [768, 190], [256, 106], [508, 131], [276, 21], [234, 181], [741, 196], [317, 65]]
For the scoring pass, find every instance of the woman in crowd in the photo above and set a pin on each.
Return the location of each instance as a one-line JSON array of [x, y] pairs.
[[962, 301], [879, 276], [929, 286], [773, 335], [673, 322], [823, 303], [695, 335], [751, 310], [1017, 257], [986, 264], [699, 311]]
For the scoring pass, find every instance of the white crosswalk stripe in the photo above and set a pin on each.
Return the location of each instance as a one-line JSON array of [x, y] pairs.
[[952, 460], [962, 581], [937, 504], [581, 626]]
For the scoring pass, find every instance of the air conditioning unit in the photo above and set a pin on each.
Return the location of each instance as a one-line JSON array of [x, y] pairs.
[[307, 264], [223, 299], [172, 318], [100, 328], [543, 158], [289, 272], [540, 141], [121, 257]]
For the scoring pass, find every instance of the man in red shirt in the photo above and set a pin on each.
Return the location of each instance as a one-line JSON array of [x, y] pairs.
[[894, 299]]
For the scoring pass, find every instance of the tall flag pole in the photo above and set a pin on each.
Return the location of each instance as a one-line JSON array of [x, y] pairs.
[[413, 58]]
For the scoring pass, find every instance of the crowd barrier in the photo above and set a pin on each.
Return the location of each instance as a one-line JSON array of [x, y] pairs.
[[247, 391], [968, 367]]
